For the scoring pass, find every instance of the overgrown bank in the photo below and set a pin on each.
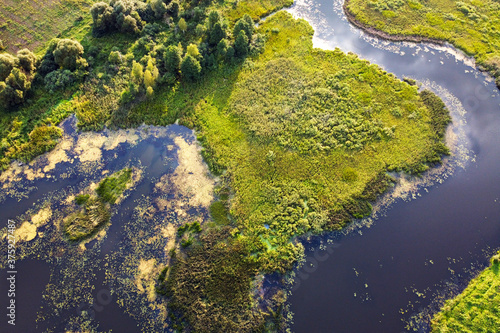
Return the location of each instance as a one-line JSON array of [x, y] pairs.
[[471, 26], [477, 308]]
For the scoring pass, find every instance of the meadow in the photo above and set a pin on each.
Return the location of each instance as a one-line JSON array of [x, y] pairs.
[[473, 26]]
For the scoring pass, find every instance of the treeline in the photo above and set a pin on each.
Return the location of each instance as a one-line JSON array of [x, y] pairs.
[[60, 66], [199, 41]]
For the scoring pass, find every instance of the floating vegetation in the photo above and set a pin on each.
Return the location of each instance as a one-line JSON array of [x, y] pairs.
[[145, 224]]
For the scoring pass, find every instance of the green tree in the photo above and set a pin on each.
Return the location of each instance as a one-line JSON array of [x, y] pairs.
[[67, 54], [137, 72], [27, 60], [173, 8], [216, 28], [182, 25], [173, 58], [13, 90], [103, 17], [150, 74], [246, 24], [159, 8], [192, 49], [7, 63], [241, 44], [190, 68]]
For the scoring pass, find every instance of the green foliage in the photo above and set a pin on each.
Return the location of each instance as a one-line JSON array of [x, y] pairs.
[[241, 44], [68, 54], [244, 24], [182, 25], [173, 58], [27, 60], [471, 26], [112, 187], [59, 79], [211, 286], [82, 199], [7, 63], [476, 309], [190, 68], [121, 15], [13, 90], [41, 140], [87, 221]]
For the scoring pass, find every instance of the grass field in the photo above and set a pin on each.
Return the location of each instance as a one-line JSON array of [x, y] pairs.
[[471, 25], [477, 309], [32, 23]]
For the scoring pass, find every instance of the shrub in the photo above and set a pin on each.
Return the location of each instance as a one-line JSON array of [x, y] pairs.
[[67, 54], [7, 63], [27, 60], [59, 79]]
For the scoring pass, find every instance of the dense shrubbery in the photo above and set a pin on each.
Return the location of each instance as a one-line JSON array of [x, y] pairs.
[[16, 75]]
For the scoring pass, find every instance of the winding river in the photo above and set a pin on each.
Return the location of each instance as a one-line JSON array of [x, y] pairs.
[[425, 240], [389, 271]]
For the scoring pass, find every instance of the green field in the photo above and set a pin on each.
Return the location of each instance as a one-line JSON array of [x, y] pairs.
[[477, 309], [471, 25]]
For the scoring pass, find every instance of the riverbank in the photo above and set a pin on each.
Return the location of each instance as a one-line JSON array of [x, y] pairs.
[[418, 23]]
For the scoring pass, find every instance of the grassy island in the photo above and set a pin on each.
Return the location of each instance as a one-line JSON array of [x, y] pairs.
[[93, 211], [303, 139], [472, 26]]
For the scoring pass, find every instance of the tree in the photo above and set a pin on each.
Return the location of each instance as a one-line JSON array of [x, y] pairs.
[[67, 54], [244, 24], [150, 74], [103, 17], [182, 25], [192, 50], [190, 68], [173, 8], [7, 63], [27, 60], [173, 57], [137, 72], [159, 8], [13, 90], [48, 63], [216, 28], [241, 44]]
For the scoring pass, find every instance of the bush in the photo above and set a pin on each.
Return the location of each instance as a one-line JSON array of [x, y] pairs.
[[59, 79], [67, 54], [27, 60], [7, 63]]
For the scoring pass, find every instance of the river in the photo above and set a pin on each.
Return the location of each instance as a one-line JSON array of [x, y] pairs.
[[382, 275]]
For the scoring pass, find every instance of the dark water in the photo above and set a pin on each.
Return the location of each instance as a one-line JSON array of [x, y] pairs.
[[33, 276], [376, 281]]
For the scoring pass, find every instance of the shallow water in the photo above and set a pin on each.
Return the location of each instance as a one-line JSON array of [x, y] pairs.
[[56, 282], [379, 277]]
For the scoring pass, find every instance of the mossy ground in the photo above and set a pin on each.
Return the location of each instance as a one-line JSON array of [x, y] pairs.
[[477, 308], [470, 25]]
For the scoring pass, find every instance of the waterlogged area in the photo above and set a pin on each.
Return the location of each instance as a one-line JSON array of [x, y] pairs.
[[388, 272], [107, 281]]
